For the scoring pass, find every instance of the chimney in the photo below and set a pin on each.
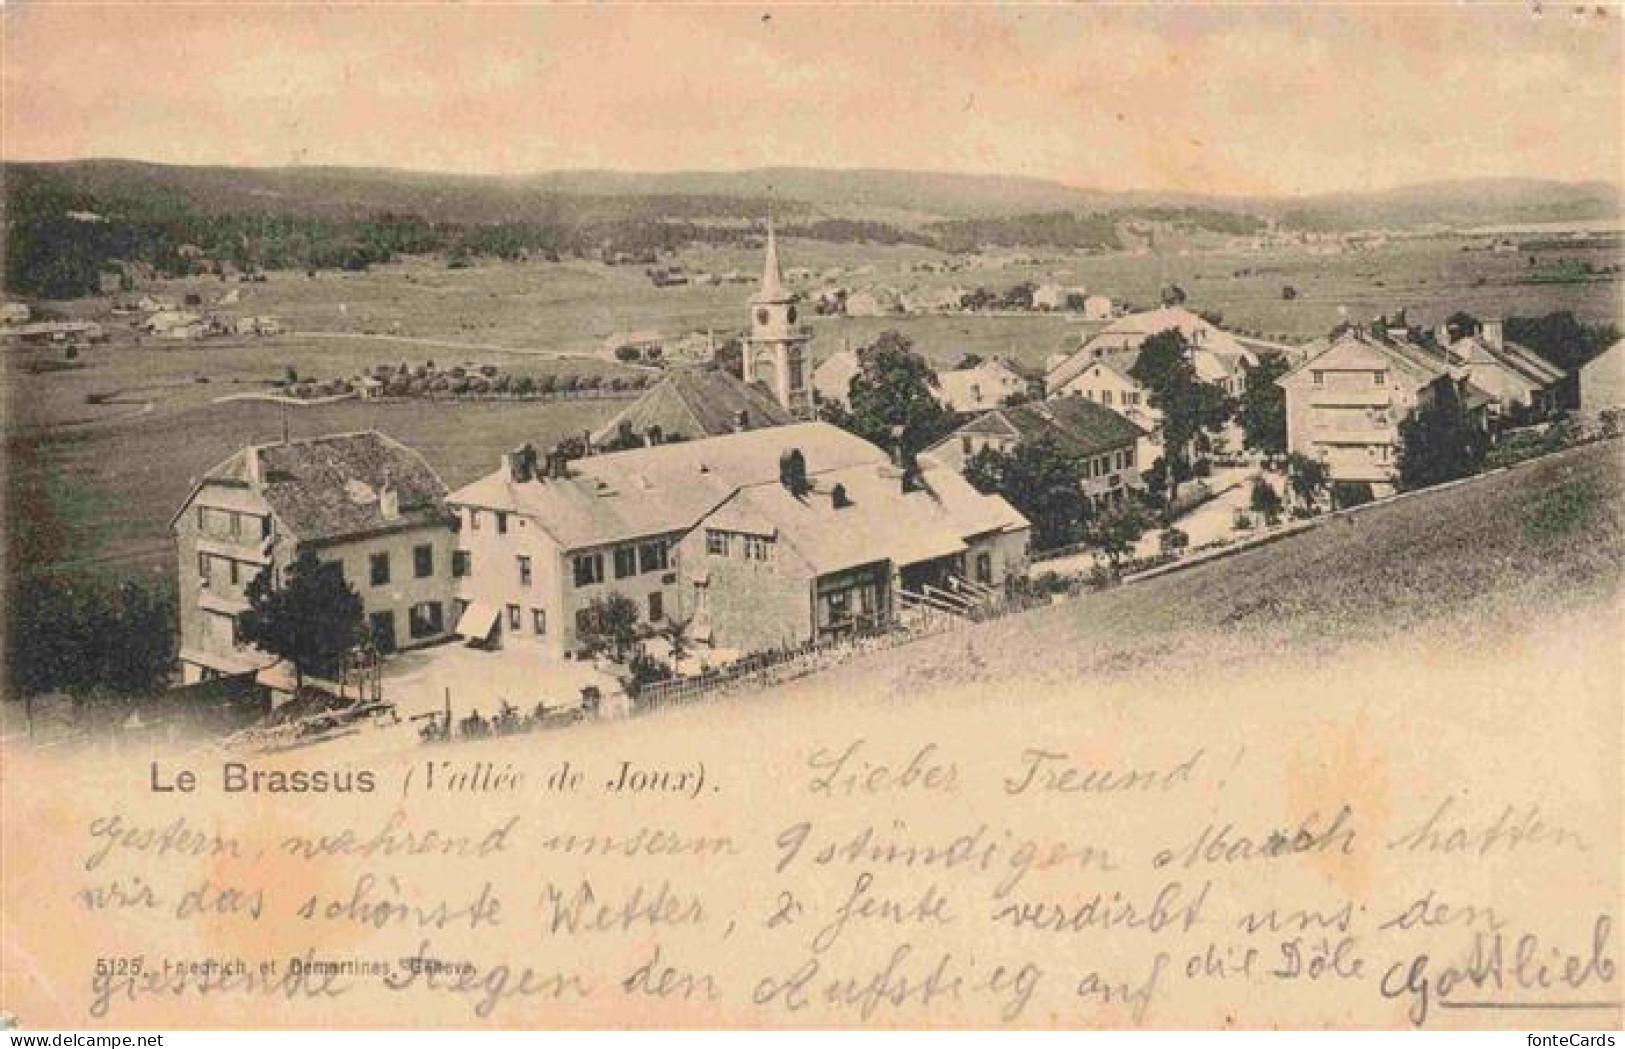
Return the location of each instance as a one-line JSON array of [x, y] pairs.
[[838, 497], [389, 501], [1491, 330], [518, 465], [653, 436]]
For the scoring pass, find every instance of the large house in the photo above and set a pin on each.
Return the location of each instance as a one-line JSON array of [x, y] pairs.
[[1344, 404], [364, 503], [541, 539], [819, 555], [690, 403], [1102, 442], [1218, 357], [1518, 378]]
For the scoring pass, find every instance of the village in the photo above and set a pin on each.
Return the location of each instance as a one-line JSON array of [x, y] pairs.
[[761, 506]]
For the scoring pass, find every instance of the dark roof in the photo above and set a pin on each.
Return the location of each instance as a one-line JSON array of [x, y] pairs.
[[1077, 425], [326, 488], [697, 402]]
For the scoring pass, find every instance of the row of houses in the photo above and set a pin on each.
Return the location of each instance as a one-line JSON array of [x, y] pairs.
[[751, 540]]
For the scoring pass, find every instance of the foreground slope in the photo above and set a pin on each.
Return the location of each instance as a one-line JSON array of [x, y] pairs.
[[1497, 562]]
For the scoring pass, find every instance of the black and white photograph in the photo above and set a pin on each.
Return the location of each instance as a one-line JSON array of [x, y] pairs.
[[843, 516]]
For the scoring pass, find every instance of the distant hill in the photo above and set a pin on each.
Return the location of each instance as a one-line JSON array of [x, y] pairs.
[[904, 197], [1460, 204]]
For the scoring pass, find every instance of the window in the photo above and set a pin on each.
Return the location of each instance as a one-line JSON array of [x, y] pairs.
[[502, 523], [423, 560], [236, 525], [524, 568], [653, 557], [538, 621], [626, 561], [965, 445], [381, 625], [513, 617], [1319, 377], [1106, 397], [1379, 378], [380, 569], [236, 572], [473, 520], [203, 567], [265, 528], [657, 607], [756, 548], [716, 543], [203, 518], [984, 568], [462, 562], [425, 619], [589, 569], [583, 621]]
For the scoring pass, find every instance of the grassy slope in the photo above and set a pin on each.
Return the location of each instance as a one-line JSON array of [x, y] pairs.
[[1483, 562]]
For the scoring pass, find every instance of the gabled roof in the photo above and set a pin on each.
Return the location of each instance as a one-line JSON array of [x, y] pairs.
[[327, 488], [1420, 364], [880, 522], [1128, 334], [1078, 426], [1520, 360], [662, 489], [692, 403]]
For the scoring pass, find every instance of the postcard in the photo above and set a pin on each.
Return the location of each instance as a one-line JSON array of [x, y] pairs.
[[840, 516]]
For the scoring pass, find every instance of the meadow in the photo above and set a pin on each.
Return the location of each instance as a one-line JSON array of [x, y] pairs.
[[99, 455]]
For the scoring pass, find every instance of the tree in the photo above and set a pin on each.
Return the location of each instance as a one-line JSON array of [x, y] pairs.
[[86, 639], [611, 625], [311, 620], [1307, 477], [1189, 406], [1439, 441], [1117, 530], [1262, 411], [894, 387], [1265, 500], [1040, 482]]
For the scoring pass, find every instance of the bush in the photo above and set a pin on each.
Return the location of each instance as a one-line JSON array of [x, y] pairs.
[[626, 354], [1173, 539]]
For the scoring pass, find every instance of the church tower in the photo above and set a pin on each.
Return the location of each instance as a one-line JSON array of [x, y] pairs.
[[776, 349]]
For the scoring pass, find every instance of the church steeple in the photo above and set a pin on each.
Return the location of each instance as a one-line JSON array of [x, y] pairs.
[[772, 289], [775, 351]]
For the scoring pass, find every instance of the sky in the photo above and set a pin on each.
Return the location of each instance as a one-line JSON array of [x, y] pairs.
[[1225, 100]]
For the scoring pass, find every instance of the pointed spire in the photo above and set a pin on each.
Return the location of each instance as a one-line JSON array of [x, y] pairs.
[[772, 289]]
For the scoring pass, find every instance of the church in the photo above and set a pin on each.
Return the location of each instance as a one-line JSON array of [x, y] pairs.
[[706, 401]]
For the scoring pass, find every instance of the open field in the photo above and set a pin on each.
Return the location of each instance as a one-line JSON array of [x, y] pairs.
[[100, 455], [101, 496]]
